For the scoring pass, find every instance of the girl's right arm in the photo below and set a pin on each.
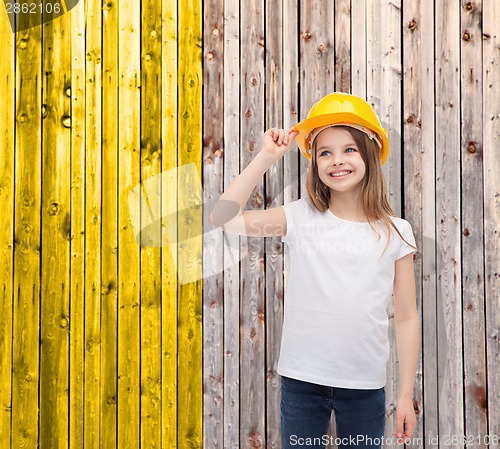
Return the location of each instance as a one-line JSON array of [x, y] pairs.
[[229, 210]]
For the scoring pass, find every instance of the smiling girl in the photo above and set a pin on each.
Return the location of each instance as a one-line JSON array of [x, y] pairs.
[[349, 256]]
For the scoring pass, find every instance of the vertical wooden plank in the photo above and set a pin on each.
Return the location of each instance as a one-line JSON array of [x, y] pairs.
[[450, 382], [358, 48], [56, 204], [169, 253], [292, 176], [491, 168], [190, 254], [213, 262], [473, 321], [412, 156], [128, 250], [77, 263], [26, 313], [7, 184], [317, 61], [150, 250], [343, 45], [272, 245], [429, 335], [384, 94], [109, 227], [252, 338], [232, 127], [93, 220]]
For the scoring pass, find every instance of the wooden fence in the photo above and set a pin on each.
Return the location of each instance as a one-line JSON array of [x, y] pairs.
[[103, 342]]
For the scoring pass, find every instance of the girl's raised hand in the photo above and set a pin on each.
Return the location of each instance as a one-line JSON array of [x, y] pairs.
[[276, 142]]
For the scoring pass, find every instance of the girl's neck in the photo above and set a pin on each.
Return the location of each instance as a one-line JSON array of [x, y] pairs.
[[347, 205]]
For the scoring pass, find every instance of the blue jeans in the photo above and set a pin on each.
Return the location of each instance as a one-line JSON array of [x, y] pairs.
[[306, 410]]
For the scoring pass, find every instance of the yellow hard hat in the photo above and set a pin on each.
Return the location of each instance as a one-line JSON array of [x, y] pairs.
[[338, 108]]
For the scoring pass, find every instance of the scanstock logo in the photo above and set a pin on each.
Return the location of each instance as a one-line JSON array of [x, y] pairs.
[[31, 13]]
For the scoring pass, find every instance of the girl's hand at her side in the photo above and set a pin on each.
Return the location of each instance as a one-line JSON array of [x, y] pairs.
[[276, 142], [406, 420]]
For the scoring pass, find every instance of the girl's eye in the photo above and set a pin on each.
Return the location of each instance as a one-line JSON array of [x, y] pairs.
[[323, 152], [353, 149]]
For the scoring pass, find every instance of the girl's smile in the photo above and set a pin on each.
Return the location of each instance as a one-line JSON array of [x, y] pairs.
[[340, 165]]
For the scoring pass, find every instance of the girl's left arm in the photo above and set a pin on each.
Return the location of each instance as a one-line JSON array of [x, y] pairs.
[[408, 343]]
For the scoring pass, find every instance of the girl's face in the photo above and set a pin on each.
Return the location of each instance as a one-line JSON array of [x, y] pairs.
[[337, 153]]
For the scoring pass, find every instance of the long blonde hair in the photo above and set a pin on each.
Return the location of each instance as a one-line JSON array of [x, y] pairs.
[[373, 190]]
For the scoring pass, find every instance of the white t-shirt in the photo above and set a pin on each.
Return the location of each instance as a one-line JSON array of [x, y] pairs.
[[335, 319]]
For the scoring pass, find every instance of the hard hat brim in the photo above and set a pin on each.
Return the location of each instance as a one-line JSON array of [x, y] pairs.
[[305, 127]]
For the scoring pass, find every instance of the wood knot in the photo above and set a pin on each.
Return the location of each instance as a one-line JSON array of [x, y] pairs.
[[306, 35], [471, 147], [469, 6], [410, 119], [412, 25], [66, 121], [53, 209], [209, 56], [466, 36], [466, 232]]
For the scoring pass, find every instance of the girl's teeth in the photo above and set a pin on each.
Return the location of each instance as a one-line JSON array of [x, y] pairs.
[[340, 174]]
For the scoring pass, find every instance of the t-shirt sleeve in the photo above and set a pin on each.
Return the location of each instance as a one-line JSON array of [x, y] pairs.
[[293, 212], [407, 233]]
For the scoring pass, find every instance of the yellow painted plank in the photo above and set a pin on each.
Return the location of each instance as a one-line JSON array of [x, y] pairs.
[[7, 80], [168, 252], [28, 161], [93, 190], [109, 228], [150, 247], [77, 299], [56, 204], [128, 250], [189, 251]]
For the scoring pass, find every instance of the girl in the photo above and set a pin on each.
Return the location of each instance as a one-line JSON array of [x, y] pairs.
[[349, 254]]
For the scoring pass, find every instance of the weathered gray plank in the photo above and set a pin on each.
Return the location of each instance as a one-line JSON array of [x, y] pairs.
[[473, 320], [450, 369], [358, 48], [252, 311], [213, 292], [428, 249], [231, 275], [342, 46], [274, 198], [491, 168], [412, 154], [383, 93]]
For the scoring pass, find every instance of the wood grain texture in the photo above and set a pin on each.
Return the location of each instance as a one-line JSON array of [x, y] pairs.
[[273, 249], [7, 181], [448, 218], [109, 228], [412, 159], [426, 27], [358, 48], [491, 167], [252, 305], [343, 45], [55, 227], [472, 251], [93, 217], [213, 255], [77, 242], [189, 325], [231, 166], [169, 116], [129, 103], [27, 239], [151, 151]]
